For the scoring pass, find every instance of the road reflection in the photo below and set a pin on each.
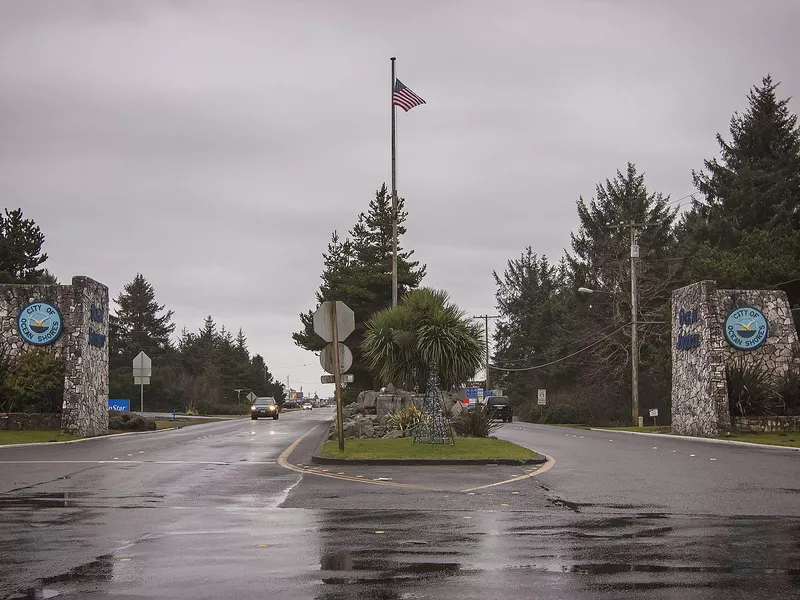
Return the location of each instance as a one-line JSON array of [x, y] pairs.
[[442, 554]]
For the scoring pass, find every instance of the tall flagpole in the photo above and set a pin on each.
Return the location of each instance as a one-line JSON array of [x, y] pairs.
[[394, 197]]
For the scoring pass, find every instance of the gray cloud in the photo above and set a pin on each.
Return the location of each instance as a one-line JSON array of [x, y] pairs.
[[214, 146]]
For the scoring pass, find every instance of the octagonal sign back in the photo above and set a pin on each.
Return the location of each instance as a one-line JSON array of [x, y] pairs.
[[323, 321]]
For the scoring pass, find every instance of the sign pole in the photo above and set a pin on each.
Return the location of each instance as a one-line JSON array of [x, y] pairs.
[[141, 390], [337, 377]]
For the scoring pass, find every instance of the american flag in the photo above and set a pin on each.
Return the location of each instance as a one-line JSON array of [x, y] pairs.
[[404, 97]]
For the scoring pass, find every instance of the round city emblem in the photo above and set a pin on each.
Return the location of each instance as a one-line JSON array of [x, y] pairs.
[[746, 328], [40, 323]]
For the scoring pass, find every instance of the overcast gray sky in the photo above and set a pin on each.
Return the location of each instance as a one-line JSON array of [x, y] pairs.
[[213, 146]]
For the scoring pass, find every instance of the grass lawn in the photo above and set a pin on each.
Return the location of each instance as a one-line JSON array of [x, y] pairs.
[[791, 440], [484, 448], [29, 437]]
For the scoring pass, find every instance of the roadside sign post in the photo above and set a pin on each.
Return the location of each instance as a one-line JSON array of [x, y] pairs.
[[337, 377], [654, 414], [142, 371], [542, 398], [334, 321]]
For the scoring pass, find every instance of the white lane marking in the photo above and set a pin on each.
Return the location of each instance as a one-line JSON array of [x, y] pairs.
[[285, 493], [691, 455], [712, 459], [136, 462], [674, 451], [655, 447]]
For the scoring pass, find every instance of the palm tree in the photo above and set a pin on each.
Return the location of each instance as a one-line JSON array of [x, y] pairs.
[[425, 332]]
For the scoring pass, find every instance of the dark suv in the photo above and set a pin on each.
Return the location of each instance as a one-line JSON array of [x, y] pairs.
[[264, 407], [500, 408]]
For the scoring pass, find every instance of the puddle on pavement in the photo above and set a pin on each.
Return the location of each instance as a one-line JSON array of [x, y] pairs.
[[72, 500], [94, 572], [360, 567]]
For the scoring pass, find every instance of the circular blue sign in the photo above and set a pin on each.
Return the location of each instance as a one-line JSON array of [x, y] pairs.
[[746, 328], [40, 323]]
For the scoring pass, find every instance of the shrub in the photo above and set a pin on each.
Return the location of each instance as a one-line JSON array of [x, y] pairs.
[[406, 419], [35, 383], [790, 394], [476, 423], [565, 414], [129, 422], [751, 392]]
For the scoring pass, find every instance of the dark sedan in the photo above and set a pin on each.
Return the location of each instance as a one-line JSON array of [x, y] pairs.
[[264, 407]]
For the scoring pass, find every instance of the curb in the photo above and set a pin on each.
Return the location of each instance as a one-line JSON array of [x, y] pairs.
[[698, 439], [407, 462]]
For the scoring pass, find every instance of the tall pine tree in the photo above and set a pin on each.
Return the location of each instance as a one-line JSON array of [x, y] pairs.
[[21, 250], [140, 323], [358, 271], [745, 233]]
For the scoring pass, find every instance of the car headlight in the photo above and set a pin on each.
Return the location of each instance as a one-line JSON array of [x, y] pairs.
[[253, 407]]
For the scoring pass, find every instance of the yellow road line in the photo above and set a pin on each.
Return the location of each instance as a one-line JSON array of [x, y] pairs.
[[283, 460], [544, 468]]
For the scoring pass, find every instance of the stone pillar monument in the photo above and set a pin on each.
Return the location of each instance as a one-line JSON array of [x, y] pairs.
[[713, 329], [71, 322]]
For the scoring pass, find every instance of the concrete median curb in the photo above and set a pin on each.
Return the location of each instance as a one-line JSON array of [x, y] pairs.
[[408, 462]]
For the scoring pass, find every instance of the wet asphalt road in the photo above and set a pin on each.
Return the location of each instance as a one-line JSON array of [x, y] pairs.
[[207, 512]]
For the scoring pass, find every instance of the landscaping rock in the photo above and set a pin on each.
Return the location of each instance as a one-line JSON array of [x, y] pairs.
[[368, 430], [393, 434]]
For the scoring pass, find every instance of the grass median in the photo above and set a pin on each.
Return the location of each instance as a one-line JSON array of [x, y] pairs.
[[790, 440], [404, 448], [34, 436]]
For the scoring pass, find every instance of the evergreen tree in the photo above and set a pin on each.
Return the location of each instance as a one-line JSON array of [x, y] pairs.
[[358, 271], [21, 249], [746, 232], [140, 323], [755, 185], [532, 300], [600, 260]]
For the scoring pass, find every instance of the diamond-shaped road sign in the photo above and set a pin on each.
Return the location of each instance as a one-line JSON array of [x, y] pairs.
[[323, 321], [345, 358], [251, 396]]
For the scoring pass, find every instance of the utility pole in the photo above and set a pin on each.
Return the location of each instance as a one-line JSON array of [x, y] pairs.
[[486, 333], [634, 331]]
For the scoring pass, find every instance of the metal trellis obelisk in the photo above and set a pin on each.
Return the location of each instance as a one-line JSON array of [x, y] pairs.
[[434, 426]]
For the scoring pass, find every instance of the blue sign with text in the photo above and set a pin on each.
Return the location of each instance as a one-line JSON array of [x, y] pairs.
[[120, 405]]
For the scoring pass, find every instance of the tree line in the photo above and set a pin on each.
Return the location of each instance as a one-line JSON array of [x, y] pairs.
[[200, 371], [741, 227], [197, 371]]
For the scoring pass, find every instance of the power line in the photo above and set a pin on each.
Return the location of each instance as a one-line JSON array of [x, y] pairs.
[[563, 358], [572, 343]]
